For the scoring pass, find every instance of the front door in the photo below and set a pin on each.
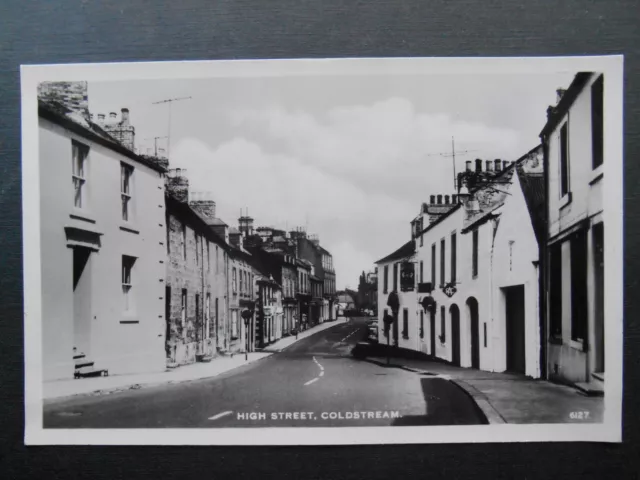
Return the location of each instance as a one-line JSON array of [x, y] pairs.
[[432, 333], [82, 301], [472, 305], [455, 335], [515, 337]]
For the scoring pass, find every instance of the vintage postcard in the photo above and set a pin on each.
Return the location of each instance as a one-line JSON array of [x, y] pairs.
[[340, 251]]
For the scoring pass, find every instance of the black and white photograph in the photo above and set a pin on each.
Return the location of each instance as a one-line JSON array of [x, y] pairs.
[[344, 251]]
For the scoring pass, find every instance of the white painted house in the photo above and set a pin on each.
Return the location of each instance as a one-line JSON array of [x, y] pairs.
[[573, 140]]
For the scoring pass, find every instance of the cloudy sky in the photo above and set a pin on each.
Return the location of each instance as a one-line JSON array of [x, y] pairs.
[[351, 158]]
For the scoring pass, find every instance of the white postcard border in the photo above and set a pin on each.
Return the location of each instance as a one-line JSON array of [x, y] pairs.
[[610, 430]]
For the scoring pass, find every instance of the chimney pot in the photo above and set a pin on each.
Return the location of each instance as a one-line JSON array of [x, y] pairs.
[[469, 162], [101, 117], [446, 199], [453, 199], [125, 116], [113, 115], [433, 199], [439, 199], [489, 167], [497, 164], [478, 165], [505, 164]]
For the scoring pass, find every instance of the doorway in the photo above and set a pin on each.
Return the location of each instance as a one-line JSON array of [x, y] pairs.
[[515, 332], [455, 334], [598, 271], [474, 322], [82, 301], [432, 332]]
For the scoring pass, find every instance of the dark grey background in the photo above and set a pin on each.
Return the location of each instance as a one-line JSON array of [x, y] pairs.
[[65, 31]]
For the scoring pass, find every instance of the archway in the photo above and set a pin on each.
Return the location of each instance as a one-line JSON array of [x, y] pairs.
[[454, 312], [474, 323]]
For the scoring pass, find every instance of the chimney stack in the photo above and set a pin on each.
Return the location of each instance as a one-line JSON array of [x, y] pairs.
[[497, 165], [125, 116], [469, 162], [202, 202], [72, 96], [489, 167], [177, 184], [478, 165]]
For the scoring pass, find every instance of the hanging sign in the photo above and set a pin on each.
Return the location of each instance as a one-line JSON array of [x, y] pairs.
[[407, 277], [450, 289]]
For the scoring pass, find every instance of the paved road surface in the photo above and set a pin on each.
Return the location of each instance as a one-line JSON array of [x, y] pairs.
[[314, 382]]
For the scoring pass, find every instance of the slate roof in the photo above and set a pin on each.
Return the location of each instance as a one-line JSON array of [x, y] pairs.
[[533, 190], [405, 250], [64, 117]]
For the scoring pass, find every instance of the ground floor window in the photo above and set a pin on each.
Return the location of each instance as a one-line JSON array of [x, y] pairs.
[[405, 323], [443, 326], [579, 309]]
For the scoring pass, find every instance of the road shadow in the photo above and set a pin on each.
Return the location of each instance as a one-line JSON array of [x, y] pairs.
[[445, 404]]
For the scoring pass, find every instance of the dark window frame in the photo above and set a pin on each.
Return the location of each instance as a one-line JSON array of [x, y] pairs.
[[443, 251], [433, 264], [565, 185], [454, 259], [405, 323], [474, 254]]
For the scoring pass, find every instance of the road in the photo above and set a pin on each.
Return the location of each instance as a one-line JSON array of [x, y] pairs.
[[313, 383]]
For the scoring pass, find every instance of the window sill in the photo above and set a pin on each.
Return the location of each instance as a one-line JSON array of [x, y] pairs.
[[577, 345], [129, 321], [83, 215], [565, 200], [596, 174], [129, 228]]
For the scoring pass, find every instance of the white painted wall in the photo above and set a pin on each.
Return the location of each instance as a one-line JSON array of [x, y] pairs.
[[511, 268], [122, 348]]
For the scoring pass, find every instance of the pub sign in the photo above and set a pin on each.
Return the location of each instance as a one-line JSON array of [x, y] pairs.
[[407, 276]]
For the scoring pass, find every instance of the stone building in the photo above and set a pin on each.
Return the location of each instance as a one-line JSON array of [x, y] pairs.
[[102, 252], [573, 140], [192, 291]]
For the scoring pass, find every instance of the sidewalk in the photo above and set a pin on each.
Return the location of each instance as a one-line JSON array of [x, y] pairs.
[[194, 371], [290, 340], [510, 398]]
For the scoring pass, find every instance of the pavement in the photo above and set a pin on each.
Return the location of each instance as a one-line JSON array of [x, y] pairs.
[[312, 382], [511, 398], [219, 365]]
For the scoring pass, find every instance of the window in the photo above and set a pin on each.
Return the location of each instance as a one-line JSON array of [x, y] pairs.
[[183, 308], [421, 323], [597, 121], [564, 161], [216, 259], [241, 274], [405, 323], [421, 240], [454, 253], [79, 160], [234, 324], [395, 277], [127, 269], [485, 334], [443, 327], [421, 271], [442, 254], [579, 300], [184, 242], [555, 291], [433, 265], [197, 249], [386, 279], [474, 254], [234, 280], [126, 174]]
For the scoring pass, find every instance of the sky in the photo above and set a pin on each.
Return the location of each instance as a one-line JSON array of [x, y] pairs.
[[349, 158]]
